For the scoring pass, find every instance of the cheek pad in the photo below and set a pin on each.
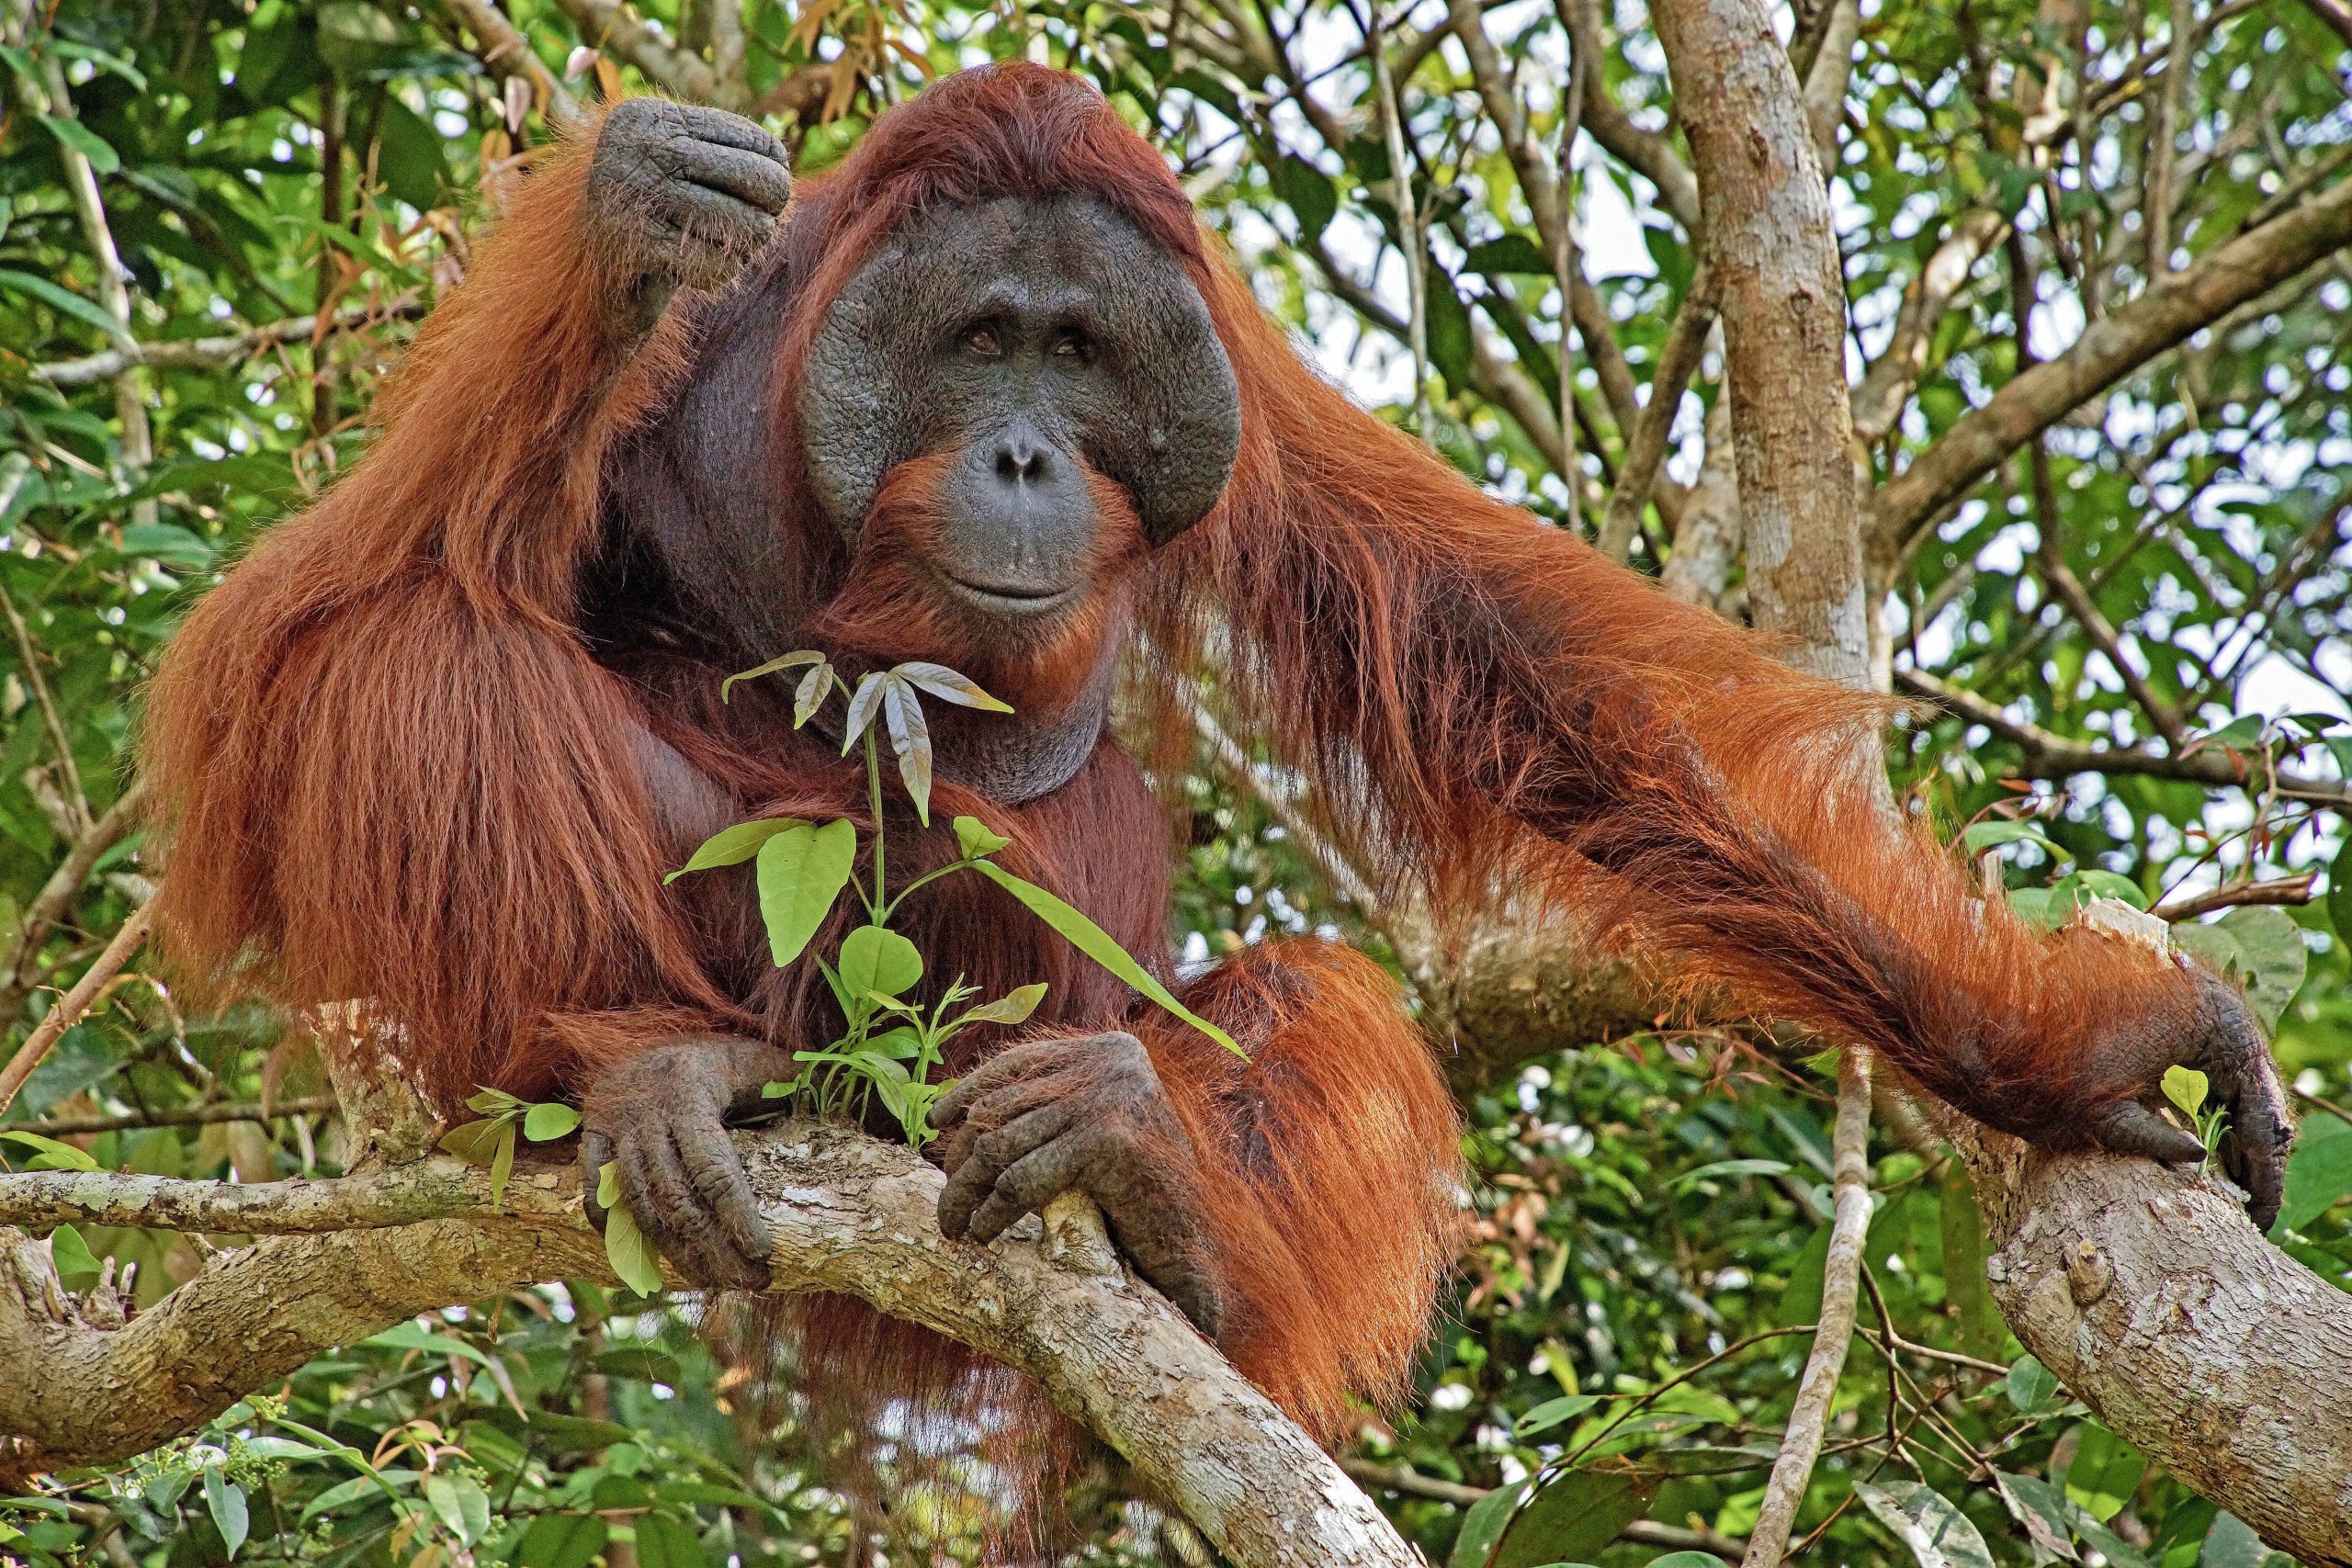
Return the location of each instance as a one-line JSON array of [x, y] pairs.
[[1160, 416]]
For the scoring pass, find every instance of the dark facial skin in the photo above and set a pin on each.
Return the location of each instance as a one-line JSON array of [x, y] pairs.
[[1025, 338]]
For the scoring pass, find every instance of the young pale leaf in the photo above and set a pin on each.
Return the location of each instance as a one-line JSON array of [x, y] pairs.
[[1552, 1413], [1013, 1007], [2186, 1088], [628, 1251], [902, 1043], [49, 1153], [226, 1502], [547, 1122], [863, 704], [910, 738], [874, 958], [810, 694], [608, 1184], [502, 1163], [976, 839], [948, 686], [476, 1143], [491, 1101], [792, 660], [733, 846], [1096, 943], [801, 871]]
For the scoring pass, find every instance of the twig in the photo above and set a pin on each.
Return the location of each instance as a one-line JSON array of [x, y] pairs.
[[183, 1116], [1686, 344], [1567, 264], [605, 24], [505, 51], [203, 352], [2235, 895], [2155, 196], [20, 969], [1801, 1444], [78, 804], [1410, 240], [75, 1002], [2052, 756]]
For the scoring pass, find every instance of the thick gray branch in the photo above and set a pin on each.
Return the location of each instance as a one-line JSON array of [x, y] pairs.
[[851, 1215], [2110, 348]]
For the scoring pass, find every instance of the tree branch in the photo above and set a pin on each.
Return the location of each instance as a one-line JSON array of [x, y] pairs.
[[607, 24], [1686, 344], [1765, 213], [1840, 1273], [2054, 755], [69, 1006], [208, 352], [2171, 309], [505, 51], [850, 1215]]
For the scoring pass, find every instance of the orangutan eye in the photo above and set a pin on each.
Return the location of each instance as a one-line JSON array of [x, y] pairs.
[[984, 340], [1071, 345]]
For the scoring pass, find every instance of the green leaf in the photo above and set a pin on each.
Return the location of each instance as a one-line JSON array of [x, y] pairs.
[[910, 738], [1013, 1007], [167, 542], [1313, 199], [2110, 884], [948, 686], [1978, 837], [72, 133], [875, 958], [546, 1123], [2187, 1088], [1482, 1524], [1938, 1533], [414, 1335], [733, 846], [2105, 1472], [2033, 1388], [1573, 1517], [2319, 1173], [1096, 943], [902, 1044], [459, 1504], [976, 839], [226, 1504], [562, 1540], [792, 660], [2271, 957], [1729, 1168], [476, 1143], [801, 871], [665, 1542], [64, 300], [1552, 1413], [1686, 1560], [2231, 1542], [51, 1155], [502, 1163], [2061, 1514], [608, 1184], [491, 1101], [627, 1249], [71, 1255]]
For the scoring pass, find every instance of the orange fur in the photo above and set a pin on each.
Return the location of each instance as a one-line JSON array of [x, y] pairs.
[[392, 771]]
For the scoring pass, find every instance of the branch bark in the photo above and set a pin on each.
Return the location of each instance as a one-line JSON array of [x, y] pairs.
[[1764, 211], [202, 353], [850, 1213]]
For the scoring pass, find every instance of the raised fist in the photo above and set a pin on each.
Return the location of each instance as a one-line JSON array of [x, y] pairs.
[[681, 194]]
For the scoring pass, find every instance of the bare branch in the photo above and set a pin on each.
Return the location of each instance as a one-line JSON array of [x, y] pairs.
[[2052, 756], [1686, 342], [505, 52], [609, 25], [2170, 310], [1840, 1273], [70, 1007], [1649, 153], [1878, 400], [2288, 890], [181, 1116], [208, 352], [403, 1195], [850, 1215], [20, 968]]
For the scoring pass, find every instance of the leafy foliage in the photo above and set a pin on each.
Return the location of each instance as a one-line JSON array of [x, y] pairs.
[[1648, 1219]]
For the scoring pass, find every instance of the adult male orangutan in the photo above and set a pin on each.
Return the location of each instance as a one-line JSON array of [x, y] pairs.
[[986, 394]]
